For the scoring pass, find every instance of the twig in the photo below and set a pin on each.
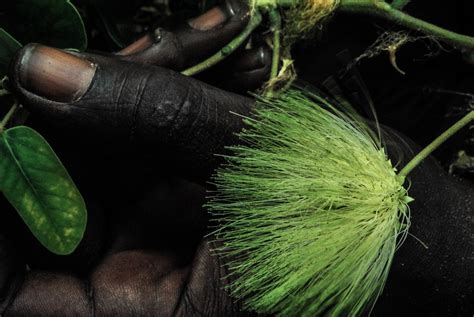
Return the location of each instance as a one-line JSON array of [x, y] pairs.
[[436, 143], [381, 9]]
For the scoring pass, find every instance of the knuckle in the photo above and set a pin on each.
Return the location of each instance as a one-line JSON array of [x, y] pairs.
[[204, 295]]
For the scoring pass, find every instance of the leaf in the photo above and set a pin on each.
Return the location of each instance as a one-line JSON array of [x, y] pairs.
[[8, 47], [36, 183], [51, 22]]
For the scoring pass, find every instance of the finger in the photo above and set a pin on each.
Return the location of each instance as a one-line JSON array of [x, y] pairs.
[[252, 59], [157, 110], [138, 283], [129, 283], [205, 293], [132, 283], [192, 42], [251, 71], [248, 70], [51, 294]]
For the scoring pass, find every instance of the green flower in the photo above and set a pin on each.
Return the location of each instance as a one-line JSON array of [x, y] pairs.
[[310, 210]]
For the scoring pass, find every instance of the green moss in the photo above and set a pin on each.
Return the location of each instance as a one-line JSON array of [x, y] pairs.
[[310, 210]]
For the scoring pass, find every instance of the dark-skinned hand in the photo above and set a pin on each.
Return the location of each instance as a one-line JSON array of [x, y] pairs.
[[140, 141]]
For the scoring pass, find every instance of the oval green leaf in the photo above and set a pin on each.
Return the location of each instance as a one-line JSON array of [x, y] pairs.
[[51, 22], [36, 183], [8, 47]]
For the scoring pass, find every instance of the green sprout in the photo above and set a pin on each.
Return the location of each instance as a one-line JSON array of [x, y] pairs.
[[310, 210]]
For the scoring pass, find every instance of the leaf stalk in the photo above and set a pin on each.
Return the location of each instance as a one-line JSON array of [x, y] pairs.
[[8, 116], [275, 20], [436, 144], [4, 92], [381, 9], [254, 22]]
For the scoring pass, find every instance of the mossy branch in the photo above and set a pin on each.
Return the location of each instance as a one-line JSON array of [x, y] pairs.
[[381, 9]]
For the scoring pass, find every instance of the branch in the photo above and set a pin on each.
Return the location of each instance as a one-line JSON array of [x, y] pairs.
[[381, 9]]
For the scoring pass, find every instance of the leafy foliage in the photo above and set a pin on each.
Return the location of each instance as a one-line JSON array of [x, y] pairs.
[[310, 210], [36, 183], [31, 176], [8, 47], [51, 22]]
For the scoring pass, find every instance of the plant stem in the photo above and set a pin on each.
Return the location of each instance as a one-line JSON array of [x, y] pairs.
[[275, 21], [4, 92], [399, 4], [8, 116], [275, 3], [254, 22], [275, 24], [436, 143], [381, 9]]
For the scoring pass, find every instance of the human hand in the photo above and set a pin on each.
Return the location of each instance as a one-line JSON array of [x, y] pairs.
[[152, 124], [143, 253]]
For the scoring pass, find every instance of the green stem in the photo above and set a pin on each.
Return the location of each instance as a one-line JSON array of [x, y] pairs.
[[8, 116], [381, 9], [254, 22], [399, 4], [4, 92], [275, 21], [436, 143], [275, 3], [275, 24]]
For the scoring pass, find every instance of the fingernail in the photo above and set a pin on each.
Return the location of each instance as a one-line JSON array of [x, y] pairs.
[[139, 45], [54, 74], [262, 56], [236, 7], [211, 19]]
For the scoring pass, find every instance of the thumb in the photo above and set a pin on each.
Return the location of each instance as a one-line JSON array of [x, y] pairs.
[[129, 104]]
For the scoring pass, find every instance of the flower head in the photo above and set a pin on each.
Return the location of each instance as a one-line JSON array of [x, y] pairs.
[[310, 209]]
